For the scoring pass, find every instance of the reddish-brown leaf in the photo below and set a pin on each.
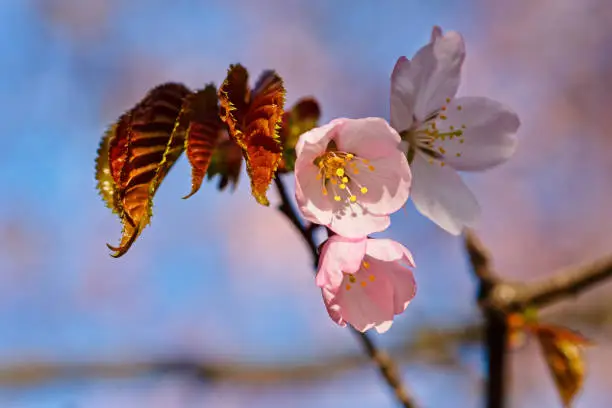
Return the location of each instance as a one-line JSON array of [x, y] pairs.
[[234, 96], [562, 350], [201, 110], [226, 162], [140, 153], [253, 119], [261, 122]]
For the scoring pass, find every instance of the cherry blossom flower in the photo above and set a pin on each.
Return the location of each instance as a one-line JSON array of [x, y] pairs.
[[443, 134], [350, 175], [365, 282]]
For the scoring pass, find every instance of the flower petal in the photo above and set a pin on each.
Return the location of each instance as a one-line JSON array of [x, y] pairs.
[[339, 255], [435, 72], [369, 138], [333, 308], [402, 95], [440, 194], [403, 282], [314, 142], [388, 250], [358, 222], [489, 134], [388, 185], [315, 206], [367, 302]]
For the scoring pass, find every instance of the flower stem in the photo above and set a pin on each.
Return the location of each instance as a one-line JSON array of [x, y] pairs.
[[385, 364]]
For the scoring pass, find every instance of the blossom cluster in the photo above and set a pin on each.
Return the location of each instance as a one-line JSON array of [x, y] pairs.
[[352, 174]]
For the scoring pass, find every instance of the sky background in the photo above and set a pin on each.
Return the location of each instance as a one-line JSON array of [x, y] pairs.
[[219, 278]]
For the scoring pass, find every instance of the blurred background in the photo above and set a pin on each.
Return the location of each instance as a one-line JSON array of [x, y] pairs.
[[221, 281]]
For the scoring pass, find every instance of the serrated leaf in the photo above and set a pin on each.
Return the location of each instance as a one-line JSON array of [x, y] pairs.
[[106, 184], [234, 97], [200, 113], [140, 153], [254, 124], [562, 350], [226, 162]]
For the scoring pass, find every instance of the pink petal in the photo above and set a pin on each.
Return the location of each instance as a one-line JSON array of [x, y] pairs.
[[338, 255], [314, 142], [358, 223], [403, 282], [369, 138], [365, 307], [435, 73], [440, 194], [388, 250], [489, 134], [333, 309], [314, 206], [388, 185], [402, 95]]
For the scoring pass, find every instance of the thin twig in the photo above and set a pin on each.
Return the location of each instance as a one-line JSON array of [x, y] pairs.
[[496, 326], [564, 284], [385, 364]]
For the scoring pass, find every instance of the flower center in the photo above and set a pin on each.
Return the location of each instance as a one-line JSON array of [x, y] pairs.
[[428, 136], [340, 174], [365, 277]]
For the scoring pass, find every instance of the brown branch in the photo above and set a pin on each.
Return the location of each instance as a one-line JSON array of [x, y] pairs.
[[563, 284], [385, 364], [496, 327], [497, 299]]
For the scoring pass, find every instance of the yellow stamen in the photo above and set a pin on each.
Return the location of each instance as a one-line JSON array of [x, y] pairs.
[[458, 155], [324, 191], [342, 186], [349, 156], [366, 264], [371, 168], [441, 149], [345, 179], [442, 164], [372, 278], [364, 190], [448, 100], [340, 172], [337, 198], [334, 181], [348, 287], [364, 283], [352, 278], [443, 117], [353, 198]]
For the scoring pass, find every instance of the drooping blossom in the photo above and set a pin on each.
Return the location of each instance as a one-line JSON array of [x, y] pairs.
[[365, 282], [350, 175], [443, 134]]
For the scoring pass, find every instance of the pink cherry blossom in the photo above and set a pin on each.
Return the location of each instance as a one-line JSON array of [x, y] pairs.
[[365, 282], [443, 133], [350, 175]]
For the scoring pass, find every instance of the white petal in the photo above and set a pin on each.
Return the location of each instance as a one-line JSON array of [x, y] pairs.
[[402, 95], [440, 194], [489, 137], [315, 141], [435, 73]]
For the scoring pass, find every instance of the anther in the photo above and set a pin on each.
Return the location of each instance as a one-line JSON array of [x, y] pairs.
[[364, 190], [345, 179], [448, 100], [372, 278], [366, 264], [441, 149], [352, 278], [342, 186], [459, 107], [337, 198], [364, 283], [340, 172], [348, 287], [443, 117], [458, 155], [353, 198], [371, 168]]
